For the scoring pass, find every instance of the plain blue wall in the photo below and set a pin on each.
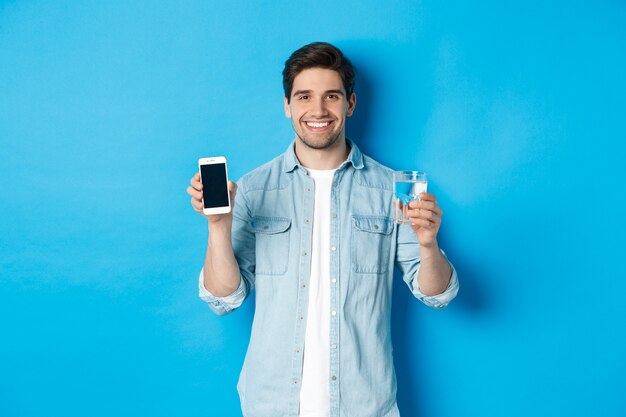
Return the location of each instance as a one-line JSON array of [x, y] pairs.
[[516, 110]]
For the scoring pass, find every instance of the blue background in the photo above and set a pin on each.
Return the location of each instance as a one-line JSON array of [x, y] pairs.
[[516, 110]]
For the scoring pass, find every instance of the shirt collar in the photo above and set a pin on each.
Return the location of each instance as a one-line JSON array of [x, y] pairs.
[[290, 161]]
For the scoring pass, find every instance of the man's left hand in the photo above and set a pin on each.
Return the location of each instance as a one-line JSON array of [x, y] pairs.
[[425, 216]]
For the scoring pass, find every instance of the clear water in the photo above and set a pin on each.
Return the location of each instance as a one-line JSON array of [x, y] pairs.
[[407, 191]]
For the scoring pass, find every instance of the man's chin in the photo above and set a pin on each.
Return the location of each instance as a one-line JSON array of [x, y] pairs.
[[319, 144]]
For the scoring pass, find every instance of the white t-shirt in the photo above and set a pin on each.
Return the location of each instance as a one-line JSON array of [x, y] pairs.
[[315, 390]]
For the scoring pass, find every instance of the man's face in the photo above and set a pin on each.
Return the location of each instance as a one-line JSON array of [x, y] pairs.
[[318, 107]]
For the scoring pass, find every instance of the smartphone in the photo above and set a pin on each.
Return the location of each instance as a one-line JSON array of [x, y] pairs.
[[214, 177]]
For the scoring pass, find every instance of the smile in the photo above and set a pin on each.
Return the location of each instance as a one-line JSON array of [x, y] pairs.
[[317, 124]]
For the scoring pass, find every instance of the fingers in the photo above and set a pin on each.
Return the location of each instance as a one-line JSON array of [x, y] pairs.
[[424, 196], [425, 219], [425, 199], [425, 206], [425, 212], [195, 191], [196, 182], [195, 194], [417, 223], [196, 204]]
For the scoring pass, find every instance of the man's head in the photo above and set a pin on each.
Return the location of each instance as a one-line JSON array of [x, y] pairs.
[[319, 83], [318, 55]]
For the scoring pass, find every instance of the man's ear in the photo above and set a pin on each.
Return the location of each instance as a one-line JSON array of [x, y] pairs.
[[351, 104], [287, 109]]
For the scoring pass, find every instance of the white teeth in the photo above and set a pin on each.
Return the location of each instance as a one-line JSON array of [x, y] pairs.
[[317, 124]]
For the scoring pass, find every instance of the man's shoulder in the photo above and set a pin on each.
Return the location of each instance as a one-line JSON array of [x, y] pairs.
[[375, 175], [375, 166], [268, 176]]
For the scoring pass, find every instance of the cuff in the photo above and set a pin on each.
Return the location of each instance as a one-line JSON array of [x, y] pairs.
[[439, 301], [221, 305]]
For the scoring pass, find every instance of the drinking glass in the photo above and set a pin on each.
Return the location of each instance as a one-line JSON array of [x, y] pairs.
[[407, 186]]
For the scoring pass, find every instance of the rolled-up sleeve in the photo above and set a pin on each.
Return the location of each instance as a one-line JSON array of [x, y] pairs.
[[439, 300], [408, 261], [222, 305]]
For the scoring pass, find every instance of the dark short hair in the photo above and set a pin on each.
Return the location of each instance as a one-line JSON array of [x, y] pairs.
[[318, 55]]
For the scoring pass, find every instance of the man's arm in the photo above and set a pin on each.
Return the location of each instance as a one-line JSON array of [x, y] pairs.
[[425, 268], [221, 270], [435, 271]]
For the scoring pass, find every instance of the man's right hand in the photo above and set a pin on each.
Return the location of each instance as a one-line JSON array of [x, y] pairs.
[[195, 191]]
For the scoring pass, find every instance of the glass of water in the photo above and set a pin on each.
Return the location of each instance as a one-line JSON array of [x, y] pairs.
[[407, 186]]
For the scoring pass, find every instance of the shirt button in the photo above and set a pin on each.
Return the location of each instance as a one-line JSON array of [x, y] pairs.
[[334, 378], [334, 280], [304, 253], [334, 215], [333, 248], [303, 285], [334, 313], [306, 221], [333, 346], [301, 318], [295, 381]]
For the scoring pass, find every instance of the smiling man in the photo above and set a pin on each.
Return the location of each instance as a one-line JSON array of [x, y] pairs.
[[318, 107], [312, 232]]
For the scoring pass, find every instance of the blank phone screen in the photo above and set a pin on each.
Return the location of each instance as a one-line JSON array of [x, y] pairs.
[[214, 187]]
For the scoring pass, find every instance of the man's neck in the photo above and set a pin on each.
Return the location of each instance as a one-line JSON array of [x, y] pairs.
[[322, 159]]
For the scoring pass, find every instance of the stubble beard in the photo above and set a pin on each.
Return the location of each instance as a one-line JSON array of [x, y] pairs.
[[328, 142]]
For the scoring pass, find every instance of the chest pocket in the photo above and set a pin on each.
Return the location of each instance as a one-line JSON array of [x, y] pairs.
[[371, 244], [272, 244]]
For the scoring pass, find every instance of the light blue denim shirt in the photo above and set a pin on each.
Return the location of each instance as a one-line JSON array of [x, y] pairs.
[[272, 238]]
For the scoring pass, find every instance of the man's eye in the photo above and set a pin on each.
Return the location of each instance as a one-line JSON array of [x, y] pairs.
[[303, 97], [333, 96]]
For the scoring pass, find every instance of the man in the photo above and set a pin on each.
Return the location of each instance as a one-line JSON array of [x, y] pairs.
[[313, 232]]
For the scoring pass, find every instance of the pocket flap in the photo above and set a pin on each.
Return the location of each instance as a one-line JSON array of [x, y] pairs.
[[373, 224], [270, 225]]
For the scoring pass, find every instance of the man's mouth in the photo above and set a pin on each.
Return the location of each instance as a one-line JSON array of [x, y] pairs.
[[318, 126]]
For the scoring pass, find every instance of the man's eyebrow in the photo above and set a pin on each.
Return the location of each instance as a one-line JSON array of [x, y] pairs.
[[295, 93], [338, 92]]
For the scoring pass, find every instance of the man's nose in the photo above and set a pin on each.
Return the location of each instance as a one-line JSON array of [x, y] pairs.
[[318, 108]]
